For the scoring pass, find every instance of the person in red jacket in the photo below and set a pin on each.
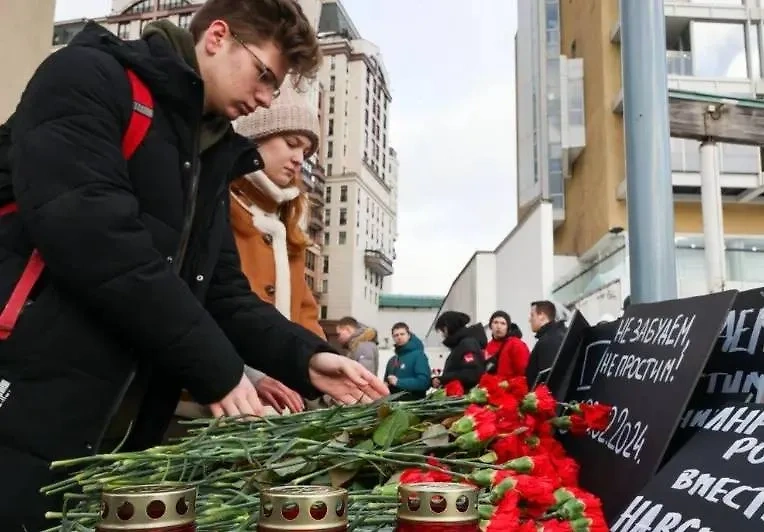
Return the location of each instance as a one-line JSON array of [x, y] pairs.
[[506, 353]]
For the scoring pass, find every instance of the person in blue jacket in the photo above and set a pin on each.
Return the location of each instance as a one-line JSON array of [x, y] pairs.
[[408, 370]]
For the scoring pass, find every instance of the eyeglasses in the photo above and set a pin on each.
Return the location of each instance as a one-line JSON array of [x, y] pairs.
[[266, 76]]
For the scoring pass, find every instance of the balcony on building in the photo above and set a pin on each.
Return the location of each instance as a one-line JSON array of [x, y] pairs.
[[378, 262], [316, 219], [314, 182]]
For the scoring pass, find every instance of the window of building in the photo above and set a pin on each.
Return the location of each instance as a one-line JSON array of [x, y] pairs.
[[326, 264], [332, 62], [330, 149], [328, 169], [143, 23], [170, 4], [328, 197], [327, 217], [140, 7], [325, 286], [310, 281], [332, 83], [331, 127], [708, 58], [343, 216], [343, 193], [327, 238], [123, 30], [324, 312], [343, 238], [310, 261], [184, 19], [331, 104]]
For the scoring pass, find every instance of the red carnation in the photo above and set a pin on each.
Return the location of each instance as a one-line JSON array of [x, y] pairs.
[[510, 447], [507, 515], [536, 491], [454, 389], [596, 416], [539, 402]]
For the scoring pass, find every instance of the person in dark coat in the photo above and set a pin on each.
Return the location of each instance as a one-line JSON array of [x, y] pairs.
[[550, 334], [466, 360], [142, 293]]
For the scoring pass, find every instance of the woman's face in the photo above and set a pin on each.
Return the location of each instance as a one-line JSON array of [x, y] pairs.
[[283, 156], [499, 327]]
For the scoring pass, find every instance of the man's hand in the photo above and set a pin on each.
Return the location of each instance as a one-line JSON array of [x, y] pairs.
[[242, 400], [392, 379], [277, 395], [435, 382], [345, 380]]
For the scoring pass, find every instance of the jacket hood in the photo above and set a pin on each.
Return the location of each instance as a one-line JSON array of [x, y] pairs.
[[165, 60], [414, 344], [476, 331], [363, 334]]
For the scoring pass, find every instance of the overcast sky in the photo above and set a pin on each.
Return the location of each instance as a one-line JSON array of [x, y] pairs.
[[451, 65]]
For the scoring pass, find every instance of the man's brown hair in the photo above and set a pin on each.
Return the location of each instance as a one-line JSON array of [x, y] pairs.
[[547, 308], [257, 21], [348, 321]]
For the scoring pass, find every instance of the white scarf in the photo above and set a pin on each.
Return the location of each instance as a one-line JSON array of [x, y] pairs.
[[269, 224]]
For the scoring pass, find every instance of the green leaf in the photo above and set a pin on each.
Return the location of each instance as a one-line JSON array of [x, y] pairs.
[[290, 466], [435, 436], [392, 428]]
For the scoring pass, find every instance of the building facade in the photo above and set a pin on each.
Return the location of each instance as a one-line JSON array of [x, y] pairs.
[[128, 19], [25, 27], [360, 215], [714, 46]]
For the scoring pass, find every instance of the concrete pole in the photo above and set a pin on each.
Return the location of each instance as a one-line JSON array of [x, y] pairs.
[[713, 228], [648, 163], [26, 37]]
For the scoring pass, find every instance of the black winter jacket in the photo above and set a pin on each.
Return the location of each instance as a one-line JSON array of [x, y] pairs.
[[110, 305], [549, 338], [466, 361]]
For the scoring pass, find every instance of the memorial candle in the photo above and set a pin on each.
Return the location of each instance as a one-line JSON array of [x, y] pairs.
[[437, 507], [148, 508]]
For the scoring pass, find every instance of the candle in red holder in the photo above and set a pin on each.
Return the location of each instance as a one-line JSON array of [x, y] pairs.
[[437, 507], [303, 508], [148, 508]]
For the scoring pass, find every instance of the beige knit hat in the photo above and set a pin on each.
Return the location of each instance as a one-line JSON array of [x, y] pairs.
[[289, 113]]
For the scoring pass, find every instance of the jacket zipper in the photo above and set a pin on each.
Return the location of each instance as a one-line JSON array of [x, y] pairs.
[[188, 220]]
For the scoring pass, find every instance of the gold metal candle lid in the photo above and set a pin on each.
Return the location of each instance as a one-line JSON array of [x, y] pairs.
[[303, 508], [442, 502], [136, 507]]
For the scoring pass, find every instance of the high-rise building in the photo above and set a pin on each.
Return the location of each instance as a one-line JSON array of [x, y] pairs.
[[127, 20], [361, 169], [25, 27], [571, 138]]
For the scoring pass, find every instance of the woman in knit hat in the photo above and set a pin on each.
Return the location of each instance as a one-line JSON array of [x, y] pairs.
[[266, 211], [267, 207]]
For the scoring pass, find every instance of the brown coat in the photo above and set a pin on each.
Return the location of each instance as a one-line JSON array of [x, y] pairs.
[[258, 263]]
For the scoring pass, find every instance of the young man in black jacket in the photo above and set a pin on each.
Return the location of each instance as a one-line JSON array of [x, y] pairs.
[[550, 334], [142, 293]]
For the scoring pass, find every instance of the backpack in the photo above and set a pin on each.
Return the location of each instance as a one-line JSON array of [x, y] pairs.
[[137, 128]]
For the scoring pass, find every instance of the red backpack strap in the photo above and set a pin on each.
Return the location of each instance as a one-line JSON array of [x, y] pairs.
[[137, 128], [140, 117]]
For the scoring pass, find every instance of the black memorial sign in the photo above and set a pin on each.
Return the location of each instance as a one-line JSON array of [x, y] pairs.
[[735, 369], [590, 351], [558, 377], [713, 484], [647, 374]]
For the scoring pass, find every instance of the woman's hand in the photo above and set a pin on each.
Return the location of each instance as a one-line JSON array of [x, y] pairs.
[[345, 380]]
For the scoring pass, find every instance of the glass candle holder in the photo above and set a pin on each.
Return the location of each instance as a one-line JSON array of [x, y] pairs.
[[148, 508], [437, 507], [303, 508]]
